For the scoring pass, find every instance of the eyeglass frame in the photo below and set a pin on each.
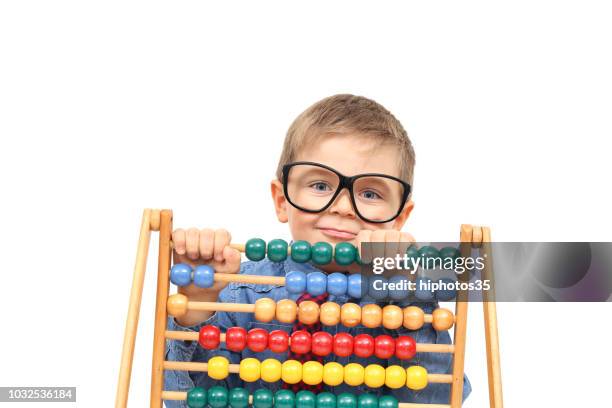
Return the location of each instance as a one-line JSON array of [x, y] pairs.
[[344, 182]]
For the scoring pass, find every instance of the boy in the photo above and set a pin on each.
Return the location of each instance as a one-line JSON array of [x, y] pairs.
[[335, 139]]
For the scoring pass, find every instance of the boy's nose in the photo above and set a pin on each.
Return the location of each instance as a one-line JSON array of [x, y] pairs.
[[342, 205]]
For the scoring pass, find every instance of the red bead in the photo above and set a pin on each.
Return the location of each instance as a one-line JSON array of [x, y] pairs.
[[278, 341], [210, 337], [405, 347], [343, 344], [322, 343], [257, 340], [384, 346], [300, 342], [364, 345], [235, 339]]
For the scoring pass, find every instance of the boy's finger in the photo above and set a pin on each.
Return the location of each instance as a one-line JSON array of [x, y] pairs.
[[405, 241], [178, 240], [392, 239], [378, 251], [231, 262], [207, 243], [222, 239], [363, 237], [193, 243]]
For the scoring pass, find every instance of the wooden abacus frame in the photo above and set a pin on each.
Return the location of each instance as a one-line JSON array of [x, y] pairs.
[[161, 220]]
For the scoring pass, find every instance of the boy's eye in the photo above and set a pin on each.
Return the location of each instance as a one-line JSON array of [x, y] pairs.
[[320, 186], [371, 195]]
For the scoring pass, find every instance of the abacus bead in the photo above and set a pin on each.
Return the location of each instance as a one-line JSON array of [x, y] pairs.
[[343, 344], [250, 369], [388, 401], [177, 305], [413, 317], [350, 314], [217, 397], [430, 257], [238, 398], [295, 282], [445, 295], [300, 251], [286, 311], [316, 283], [326, 400], [263, 398], [235, 338], [448, 255], [442, 319], [300, 342], [378, 287], [337, 284], [209, 337], [395, 377], [371, 315], [346, 400], [367, 401], [270, 370], [265, 309], [363, 345], [345, 253], [291, 371], [330, 314], [308, 312], [333, 374], [405, 347], [204, 276], [354, 285], [284, 399], [374, 376], [384, 346], [255, 249], [395, 282], [321, 253], [322, 343], [196, 397], [278, 341], [305, 399], [422, 290], [180, 274], [353, 374], [416, 378], [413, 254], [218, 368], [277, 250], [257, 340], [392, 317], [312, 372]]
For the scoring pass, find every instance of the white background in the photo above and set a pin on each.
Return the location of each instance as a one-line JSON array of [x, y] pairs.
[[110, 107]]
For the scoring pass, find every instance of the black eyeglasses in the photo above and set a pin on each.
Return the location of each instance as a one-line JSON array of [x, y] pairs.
[[313, 187]]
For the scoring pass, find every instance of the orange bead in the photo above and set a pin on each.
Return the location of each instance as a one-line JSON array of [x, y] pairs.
[[413, 318], [264, 309], [392, 317], [308, 312], [177, 305], [443, 319], [371, 316], [350, 314], [286, 311], [330, 314]]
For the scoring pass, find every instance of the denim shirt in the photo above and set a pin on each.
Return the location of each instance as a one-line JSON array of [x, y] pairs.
[[179, 350]]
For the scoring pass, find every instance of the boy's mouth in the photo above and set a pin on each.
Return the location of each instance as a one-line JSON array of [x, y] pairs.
[[336, 233]]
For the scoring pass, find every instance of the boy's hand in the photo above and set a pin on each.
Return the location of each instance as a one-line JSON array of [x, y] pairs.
[[396, 242]]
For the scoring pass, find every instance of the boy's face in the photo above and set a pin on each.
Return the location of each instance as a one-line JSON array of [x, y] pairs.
[[350, 155]]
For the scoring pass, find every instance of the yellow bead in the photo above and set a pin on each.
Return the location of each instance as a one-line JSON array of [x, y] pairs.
[[416, 378], [413, 317], [286, 311], [265, 309], [353, 374], [291, 372], [392, 317], [250, 369], [442, 319], [395, 377], [271, 370], [218, 368], [177, 305], [312, 372], [374, 376], [308, 312], [333, 374], [371, 316], [330, 314], [350, 314]]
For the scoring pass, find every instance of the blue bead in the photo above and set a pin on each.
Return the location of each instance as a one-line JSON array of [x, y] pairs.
[[444, 295], [180, 274], [423, 293], [377, 287], [295, 282], [337, 284], [316, 283], [398, 294], [204, 276], [354, 286]]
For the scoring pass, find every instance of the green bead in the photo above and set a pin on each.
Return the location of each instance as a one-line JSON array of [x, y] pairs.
[[322, 253], [196, 397], [284, 399], [345, 253], [347, 400], [300, 251], [326, 400], [255, 249], [448, 255], [430, 255], [387, 401], [367, 401], [305, 399], [217, 397], [277, 250], [263, 398], [238, 398]]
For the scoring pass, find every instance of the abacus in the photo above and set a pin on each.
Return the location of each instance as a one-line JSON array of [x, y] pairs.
[[307, 312]]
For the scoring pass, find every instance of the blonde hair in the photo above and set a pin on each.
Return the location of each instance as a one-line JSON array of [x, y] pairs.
[[342, 114]]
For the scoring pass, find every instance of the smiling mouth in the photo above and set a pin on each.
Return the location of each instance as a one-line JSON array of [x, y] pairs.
[[338, 234]]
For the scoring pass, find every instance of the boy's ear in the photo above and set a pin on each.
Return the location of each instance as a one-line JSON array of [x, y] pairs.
[[399, 222], [280, 202]]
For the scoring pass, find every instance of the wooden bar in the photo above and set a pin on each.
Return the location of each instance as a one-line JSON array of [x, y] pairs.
[[243, 278], [221, 307]]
